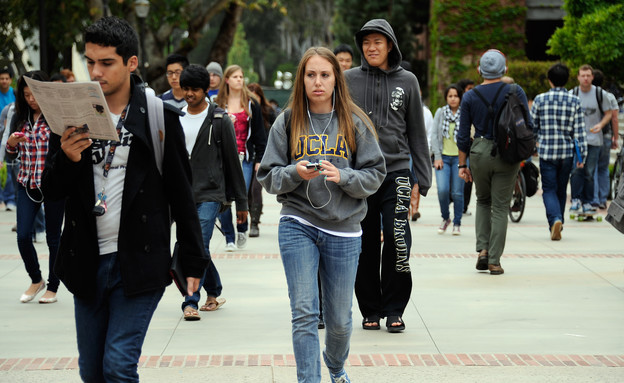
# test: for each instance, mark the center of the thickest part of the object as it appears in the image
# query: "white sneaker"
(230, 247)
(445, 224)
(241, 240)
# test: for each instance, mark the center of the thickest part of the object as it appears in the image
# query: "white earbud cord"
(324, 152)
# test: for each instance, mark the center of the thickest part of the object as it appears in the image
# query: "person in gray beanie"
(494, 178)
(216, 75)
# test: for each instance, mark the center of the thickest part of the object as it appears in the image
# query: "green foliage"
(461, 30)
(239, 55)
(595, 38)
(407, 17)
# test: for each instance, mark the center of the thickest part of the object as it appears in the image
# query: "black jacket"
(149, 203)
(214, 162)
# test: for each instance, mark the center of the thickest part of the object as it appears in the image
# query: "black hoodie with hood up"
(391, 98)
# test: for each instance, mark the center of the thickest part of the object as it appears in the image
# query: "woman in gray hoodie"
(322, 160)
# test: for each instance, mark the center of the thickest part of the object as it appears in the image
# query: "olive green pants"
(494, 181)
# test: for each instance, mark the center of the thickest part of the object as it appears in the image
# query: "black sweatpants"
(384, 282)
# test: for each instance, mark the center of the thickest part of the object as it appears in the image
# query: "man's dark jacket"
(144, 247)
(216, 168)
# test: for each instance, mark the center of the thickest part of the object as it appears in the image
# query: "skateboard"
(585, 217)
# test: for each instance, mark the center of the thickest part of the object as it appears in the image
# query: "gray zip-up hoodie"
(392, 100)
(339, 206)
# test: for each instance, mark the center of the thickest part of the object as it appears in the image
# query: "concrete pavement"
(556, 315)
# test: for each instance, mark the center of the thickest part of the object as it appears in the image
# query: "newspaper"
(81, 104)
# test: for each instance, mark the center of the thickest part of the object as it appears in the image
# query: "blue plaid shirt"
(558, 120)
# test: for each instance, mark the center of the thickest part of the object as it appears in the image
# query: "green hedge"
(530, 75)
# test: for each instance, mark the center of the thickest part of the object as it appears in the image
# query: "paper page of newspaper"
(70, 104)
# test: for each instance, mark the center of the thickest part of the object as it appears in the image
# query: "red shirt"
(32, 153)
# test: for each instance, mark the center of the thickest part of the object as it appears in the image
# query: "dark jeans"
(207, 212)
(111, 326)
(555, 176)
(386, 292)
(9, 191)
(27, 210)
(582, 179)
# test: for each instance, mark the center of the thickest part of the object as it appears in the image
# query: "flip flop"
(367, 323)
(392, 319)
(212, 304)
(191, 314)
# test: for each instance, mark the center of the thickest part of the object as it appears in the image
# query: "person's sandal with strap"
(395, 328)
(371, 322)
(191, 314)
(212, 304)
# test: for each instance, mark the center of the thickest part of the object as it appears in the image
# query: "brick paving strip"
(7, 257)
(357, 360)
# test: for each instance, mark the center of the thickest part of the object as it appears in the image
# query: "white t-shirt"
(108, 224)
(191, 123)
(428, 117)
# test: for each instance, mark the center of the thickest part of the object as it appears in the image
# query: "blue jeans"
(601, 176)
(226, 217)
(27, 210)
(207, 212)
(111, 327)
(582, 179)
(307, 252)
(555, 176)
(10, 187)
(448, 182)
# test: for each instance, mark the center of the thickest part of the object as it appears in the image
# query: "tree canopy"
(592, 33)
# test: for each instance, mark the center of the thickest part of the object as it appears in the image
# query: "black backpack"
(531, 178)
(512, 135)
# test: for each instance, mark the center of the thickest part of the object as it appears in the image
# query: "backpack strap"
(287, 113)
(156, 117)
(490, 107)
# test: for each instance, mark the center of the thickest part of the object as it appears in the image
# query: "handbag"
(176, 272)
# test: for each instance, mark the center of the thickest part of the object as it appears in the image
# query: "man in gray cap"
(494, 178)
(216, 75)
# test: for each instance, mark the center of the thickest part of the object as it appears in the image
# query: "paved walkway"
(556, 315)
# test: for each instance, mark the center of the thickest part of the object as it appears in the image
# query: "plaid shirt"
(32, 153)
(558, 120)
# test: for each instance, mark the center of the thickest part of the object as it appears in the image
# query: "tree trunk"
(225, 37)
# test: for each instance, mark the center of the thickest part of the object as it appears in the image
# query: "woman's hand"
(74, 144)
(438, 164)
(15, 138)
(325, 168)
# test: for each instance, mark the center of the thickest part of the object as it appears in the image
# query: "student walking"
(559, 125)
(390, 95)
(115, 253)
(29, 140)
(322, 161)
(493, 177)
(446, 159)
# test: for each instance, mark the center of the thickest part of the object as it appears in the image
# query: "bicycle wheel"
(616, 176)
(518, 199)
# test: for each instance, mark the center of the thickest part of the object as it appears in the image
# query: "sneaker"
(467, 213)
(456, 230)
(230, 247)
(575, 206)
(10, 207)
(588, 208)
(555, 231)
(444, 225)
(241, 240)
(602, 206)
(341, 377)
(254, 231)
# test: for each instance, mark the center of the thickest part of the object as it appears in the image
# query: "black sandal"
(368, 321)
(392, 319)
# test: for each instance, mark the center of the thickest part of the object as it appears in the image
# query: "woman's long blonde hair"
(344, 107)
(224, 90)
